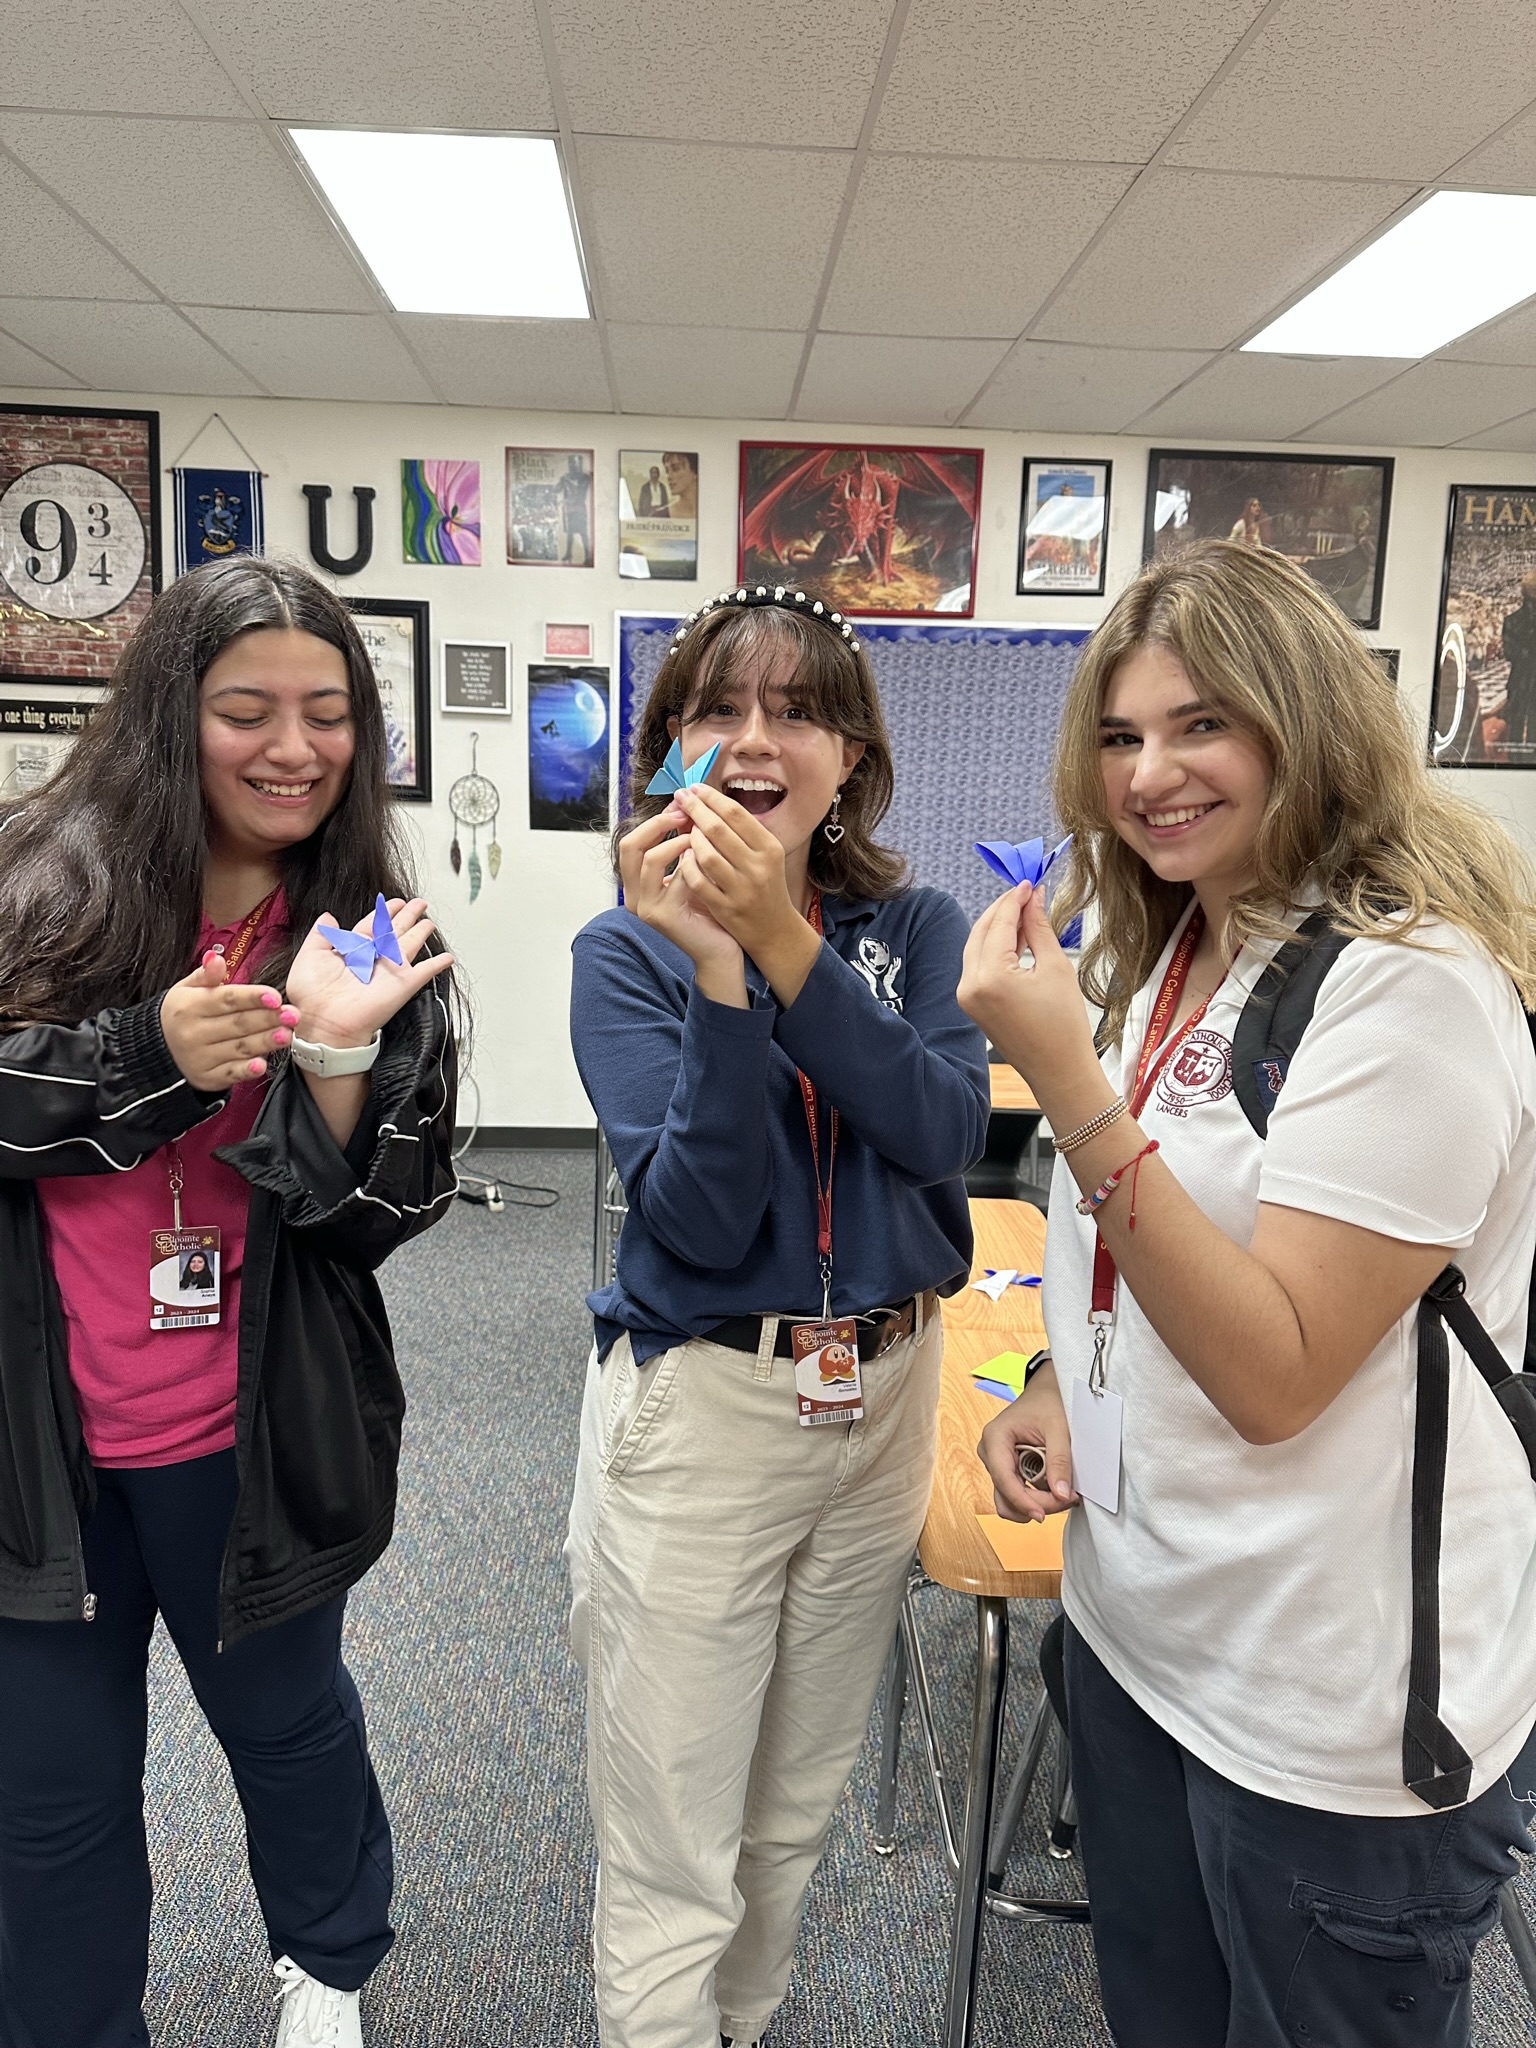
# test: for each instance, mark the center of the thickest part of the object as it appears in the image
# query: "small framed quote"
(477, 677)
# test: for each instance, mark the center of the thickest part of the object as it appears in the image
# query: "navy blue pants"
(1222, 1919)
(74, 1876)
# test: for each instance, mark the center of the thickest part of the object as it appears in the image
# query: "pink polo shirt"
(155, 1397)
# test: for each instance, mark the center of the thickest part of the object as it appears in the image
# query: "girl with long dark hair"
(188, 1065)
(769, 1034)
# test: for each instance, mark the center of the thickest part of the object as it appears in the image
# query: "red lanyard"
(241, 944)
(823, 1194)
(1148, 1067)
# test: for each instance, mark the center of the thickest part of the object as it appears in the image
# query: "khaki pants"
(736, 1580)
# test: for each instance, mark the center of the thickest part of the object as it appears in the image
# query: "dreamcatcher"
(475, 801)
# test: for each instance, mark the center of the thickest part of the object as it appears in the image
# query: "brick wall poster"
(79, 538)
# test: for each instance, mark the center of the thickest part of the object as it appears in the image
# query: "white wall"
(514, 942)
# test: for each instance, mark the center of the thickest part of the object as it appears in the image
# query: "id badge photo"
(184, 1278)
(828, 1386)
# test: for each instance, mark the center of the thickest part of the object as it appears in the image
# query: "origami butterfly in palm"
(1027, 863)
(672, 775)
(361, 950)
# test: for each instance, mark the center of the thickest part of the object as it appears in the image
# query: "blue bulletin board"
(972, 712)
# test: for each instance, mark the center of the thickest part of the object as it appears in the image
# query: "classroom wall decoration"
(888, 531)
(474, 800)
(549, 506)
(941, 686)
(440, 513)
(567, 642)
(218, 513)
(658, 515)
(567, 748)
(477, 676)
(79, 538)
(318, 496)
(1326, 513)
(1063, 525)
(396, 633)
(1483, 713)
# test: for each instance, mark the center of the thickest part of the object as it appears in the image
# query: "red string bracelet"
(1088, 1203)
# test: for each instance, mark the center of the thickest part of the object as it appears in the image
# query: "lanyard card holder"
(184, 1278)
(828, 1386)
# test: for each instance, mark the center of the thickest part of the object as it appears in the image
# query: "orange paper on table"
(1025, 1546)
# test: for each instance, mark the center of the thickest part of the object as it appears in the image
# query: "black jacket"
(319, 1405)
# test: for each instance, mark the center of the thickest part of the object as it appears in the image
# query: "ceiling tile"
(1093, 81)
(1429, 406)
(675, 68)
(19, 366)
(705, 372)
(939, 246)
(318, 355)
(1509, 339)
(207, 210)
(1051, 387)
(1193, 260)
(119, 56)
(882, 380)
(389, 63)
(43, 248)
(1507, 165)
(549, 365)
(1515, 437)
(123, 348)
(1376, 89)
(1263, 397)
(700, 236)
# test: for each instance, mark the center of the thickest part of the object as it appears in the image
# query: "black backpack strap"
(1278, 1012)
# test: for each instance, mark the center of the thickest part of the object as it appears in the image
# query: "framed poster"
(440, 512)
(549, 506)
(658, 515)
(477, 676)
(567, 748)
(882, 531)
(1063, 528)
(395, 631)
(1483, 711)
(1326, 513)
(79, 538)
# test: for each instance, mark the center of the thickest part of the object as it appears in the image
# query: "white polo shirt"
(1254, 1599)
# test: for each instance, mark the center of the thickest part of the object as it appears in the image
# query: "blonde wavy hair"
(1354, 814)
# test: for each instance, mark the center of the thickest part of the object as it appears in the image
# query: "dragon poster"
(888, 531)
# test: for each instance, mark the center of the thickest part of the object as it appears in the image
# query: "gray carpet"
(457, 1643)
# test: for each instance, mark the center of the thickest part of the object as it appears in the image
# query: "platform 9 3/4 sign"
(72, 544)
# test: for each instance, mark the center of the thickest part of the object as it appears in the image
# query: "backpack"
(1436, 1768)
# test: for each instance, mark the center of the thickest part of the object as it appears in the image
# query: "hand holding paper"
(1027, 863)
(672, 776)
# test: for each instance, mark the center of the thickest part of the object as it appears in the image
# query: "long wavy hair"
(101, 870)
(836, 687)
(1355, 820)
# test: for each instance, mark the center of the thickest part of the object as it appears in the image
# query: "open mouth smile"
(1170, 822)
(281, 792)
(755, 793)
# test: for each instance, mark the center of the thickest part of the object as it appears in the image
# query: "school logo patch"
(880, 967)
(1200, 1071)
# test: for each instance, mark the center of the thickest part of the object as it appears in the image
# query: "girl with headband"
(769, 1035)
(1281, 1844)
(188, 1064)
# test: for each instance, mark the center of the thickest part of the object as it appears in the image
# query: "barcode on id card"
(833, 1415)
(180, 1322)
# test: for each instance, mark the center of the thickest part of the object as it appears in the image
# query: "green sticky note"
(1008, 1366)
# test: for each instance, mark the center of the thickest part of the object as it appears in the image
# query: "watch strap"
(329, 1060)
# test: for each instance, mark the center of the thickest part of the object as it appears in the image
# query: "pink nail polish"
(210, 956)
(290, 1014)
(281, 1037)
(257, 1067)
(272, 1000)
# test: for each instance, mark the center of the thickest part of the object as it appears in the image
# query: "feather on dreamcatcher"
(475, 801)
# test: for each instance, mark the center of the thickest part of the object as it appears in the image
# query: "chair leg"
(884, 1842)
(1012, 1809)
(1063, 1835)
(981, 1784)
(1517, 1932)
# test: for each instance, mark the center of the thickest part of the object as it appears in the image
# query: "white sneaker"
(313, 2015)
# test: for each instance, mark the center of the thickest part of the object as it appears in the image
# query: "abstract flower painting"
(440, 508)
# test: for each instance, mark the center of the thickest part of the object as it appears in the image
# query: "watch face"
(72, 544)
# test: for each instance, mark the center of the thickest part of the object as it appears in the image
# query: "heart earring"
(832, 830)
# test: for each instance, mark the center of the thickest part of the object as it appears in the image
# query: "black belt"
(877, 1332)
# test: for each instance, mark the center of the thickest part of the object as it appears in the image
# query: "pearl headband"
(785, 599)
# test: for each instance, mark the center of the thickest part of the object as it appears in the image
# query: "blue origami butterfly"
(360, 952)
(672, 775)
(1027, 863)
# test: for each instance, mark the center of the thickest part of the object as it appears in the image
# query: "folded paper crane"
(1027, 863)
(996, 1281)
(672, 775)
(361, 951)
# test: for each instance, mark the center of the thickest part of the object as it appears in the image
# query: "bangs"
(824, 680)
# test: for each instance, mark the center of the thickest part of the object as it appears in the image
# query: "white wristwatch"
(328, 1060)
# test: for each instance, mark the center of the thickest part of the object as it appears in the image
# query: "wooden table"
(1007, 1234)
(1010, 1090)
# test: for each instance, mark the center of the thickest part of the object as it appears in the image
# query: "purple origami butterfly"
(361, 951)
(672, 775)
(1027, 863)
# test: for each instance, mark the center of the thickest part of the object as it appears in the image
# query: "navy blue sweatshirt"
(704, 1116)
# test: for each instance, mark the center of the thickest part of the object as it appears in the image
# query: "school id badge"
(827, 1382)
(184, 1278)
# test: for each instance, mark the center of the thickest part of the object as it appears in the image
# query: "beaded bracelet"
(1092, 1128)
(1101, 1194)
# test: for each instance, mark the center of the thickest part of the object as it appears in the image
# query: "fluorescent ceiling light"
(455, 223)
(1453, 263)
